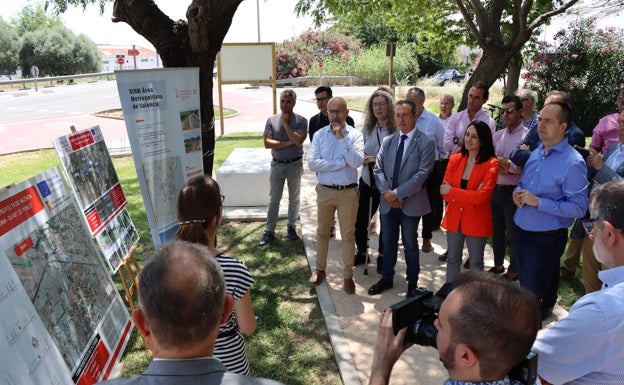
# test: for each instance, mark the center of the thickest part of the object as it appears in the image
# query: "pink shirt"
(605, 133)
(504, 143)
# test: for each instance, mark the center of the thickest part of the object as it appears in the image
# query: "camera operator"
(486, 326)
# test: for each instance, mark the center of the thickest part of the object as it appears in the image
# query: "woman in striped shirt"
(200, 207)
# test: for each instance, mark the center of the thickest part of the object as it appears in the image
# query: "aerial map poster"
(62, 318)
(92, 176)
(161, 111)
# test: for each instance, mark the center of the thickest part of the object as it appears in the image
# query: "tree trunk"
(513, 75)
(192, 43)
(492, 64)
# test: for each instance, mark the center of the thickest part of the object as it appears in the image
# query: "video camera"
(419, 313)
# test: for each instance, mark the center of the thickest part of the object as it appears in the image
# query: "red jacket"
(470, 207)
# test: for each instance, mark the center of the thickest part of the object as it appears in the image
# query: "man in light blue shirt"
(336, 152)
(552, 192)
(587, 347)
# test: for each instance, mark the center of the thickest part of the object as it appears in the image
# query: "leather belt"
(286, 161)
(337, 187)
(506, 186)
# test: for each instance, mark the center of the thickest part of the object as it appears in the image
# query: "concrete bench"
(244, 177)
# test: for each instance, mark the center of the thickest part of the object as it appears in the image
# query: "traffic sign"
(34, 71)
(121, 59)
(133, 52)
(325, 51)
(320, 64)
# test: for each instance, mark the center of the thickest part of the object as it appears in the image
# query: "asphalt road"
(32, 119)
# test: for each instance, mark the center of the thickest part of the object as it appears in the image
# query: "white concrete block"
(244, 177)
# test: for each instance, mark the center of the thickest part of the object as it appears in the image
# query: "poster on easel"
(161, 109)
(94, 181)
(63, 320)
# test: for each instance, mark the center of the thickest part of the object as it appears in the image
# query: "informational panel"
(162, 115)
(93, 179)
(245, 63)
(63, 321)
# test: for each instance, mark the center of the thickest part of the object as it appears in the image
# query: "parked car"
(448, 75)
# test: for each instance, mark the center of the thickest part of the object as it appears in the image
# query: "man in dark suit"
(182, 301)
(403, 165)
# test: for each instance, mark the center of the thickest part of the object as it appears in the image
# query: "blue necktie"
(397, 163)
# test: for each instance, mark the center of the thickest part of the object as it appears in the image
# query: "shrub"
(586, 62)
(295, 58)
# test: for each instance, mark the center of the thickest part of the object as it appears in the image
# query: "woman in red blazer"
(468, 183)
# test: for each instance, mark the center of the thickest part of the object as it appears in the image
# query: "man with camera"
(485, 327)
(587, 347)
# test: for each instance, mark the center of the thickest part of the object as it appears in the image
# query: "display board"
(162, 116)
(246, 63)
(62, 319)
(93, 179)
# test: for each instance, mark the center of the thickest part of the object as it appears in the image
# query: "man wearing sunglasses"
(587, 347)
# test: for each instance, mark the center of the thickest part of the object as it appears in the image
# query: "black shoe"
(292, 233)
(443, 257)
(379, 286)
(497, 269)
(266, 238)
(379, 264)
(412, 290)
(359, 259)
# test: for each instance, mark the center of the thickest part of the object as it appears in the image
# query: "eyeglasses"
(321, 99)
(379, 105)
(508, 110)
(588, 225)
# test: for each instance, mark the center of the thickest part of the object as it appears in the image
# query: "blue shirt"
(559, 180)
(503, 381)
(430, 125)
(587, 347)
(334, 160)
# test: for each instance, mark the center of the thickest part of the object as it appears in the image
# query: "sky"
(277, 21)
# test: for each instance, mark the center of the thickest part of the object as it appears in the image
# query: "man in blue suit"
(403, 165)
(182, 301)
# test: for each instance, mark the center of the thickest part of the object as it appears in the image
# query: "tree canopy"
(499, 27)
(9, 46)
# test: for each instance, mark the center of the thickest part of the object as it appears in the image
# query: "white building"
(109, 54)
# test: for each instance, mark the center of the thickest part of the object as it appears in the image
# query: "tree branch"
(470, 24)
(541, 19)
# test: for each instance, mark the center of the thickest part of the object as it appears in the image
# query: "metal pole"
(258, 16)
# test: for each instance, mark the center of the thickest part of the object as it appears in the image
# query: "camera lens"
(425, 332)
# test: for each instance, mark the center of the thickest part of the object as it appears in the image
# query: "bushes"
(586, 62)
(295, 58)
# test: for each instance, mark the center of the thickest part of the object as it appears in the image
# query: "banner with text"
(63, 319)
(92, 176)
(161, 111)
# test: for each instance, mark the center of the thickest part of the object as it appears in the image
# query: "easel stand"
(128, 272)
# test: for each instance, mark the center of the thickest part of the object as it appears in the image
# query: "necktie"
(397, 163)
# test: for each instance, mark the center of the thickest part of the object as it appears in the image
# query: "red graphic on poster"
(18, 208)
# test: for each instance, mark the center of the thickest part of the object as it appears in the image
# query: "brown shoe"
(317, 277)
(349, 286)
(565, 273)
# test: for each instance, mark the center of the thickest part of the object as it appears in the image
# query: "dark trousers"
(363, 218)
(538, 255)
(393, 223)
(503, 210)
(432, 220)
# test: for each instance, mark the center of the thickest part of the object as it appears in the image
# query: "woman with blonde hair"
(378, 123)
(200, 208)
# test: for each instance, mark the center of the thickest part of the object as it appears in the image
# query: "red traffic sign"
(320, 64)
(121, 60)
(133, 52)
